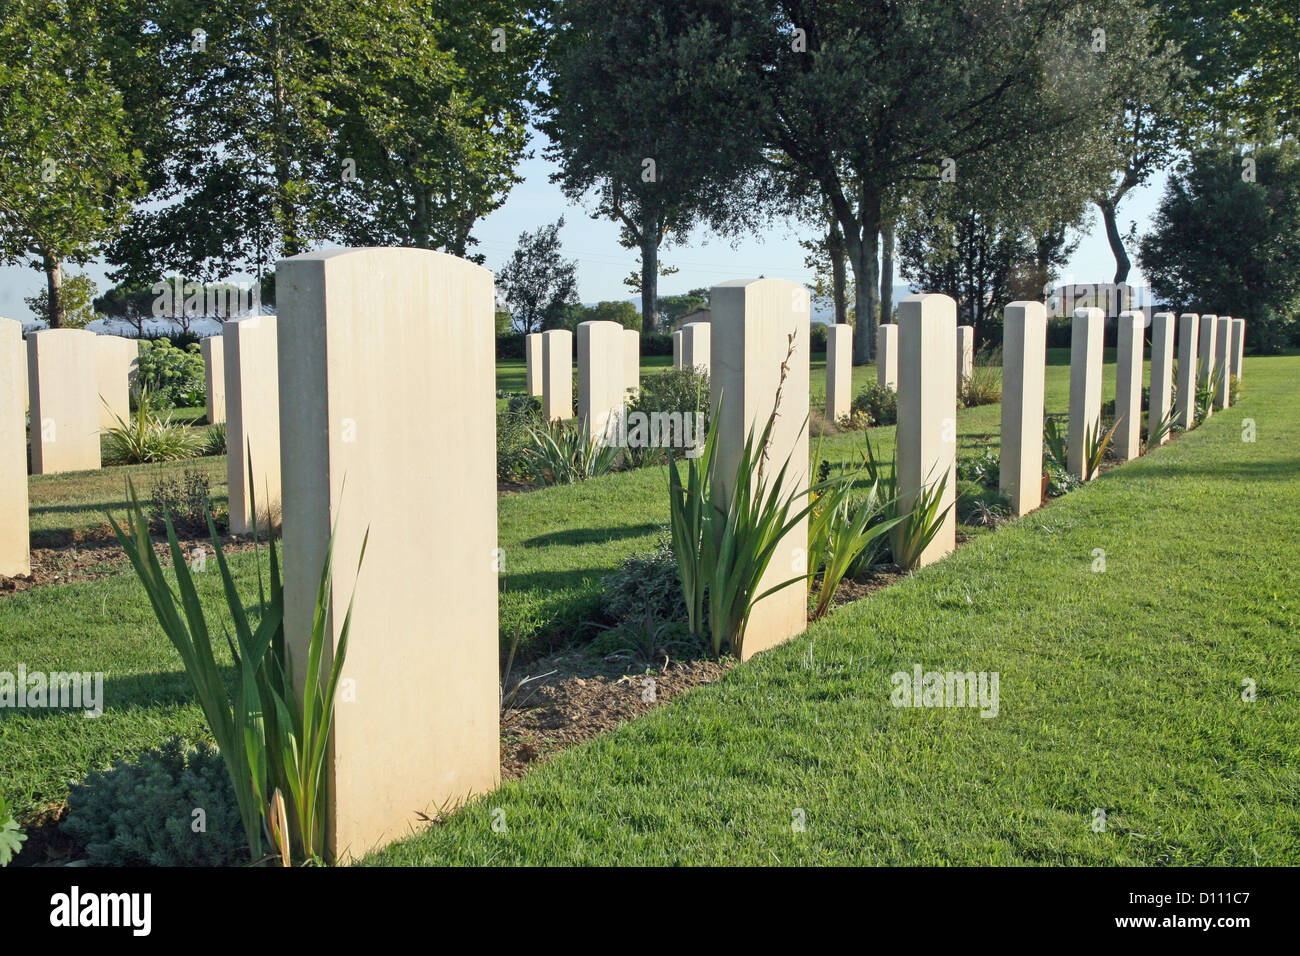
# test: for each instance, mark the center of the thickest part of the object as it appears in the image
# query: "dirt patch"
(47, 844)
(583, 699)
(98, 558)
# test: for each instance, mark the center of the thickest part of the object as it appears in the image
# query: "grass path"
(1119, 690)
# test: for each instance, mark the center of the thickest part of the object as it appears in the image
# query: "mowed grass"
(1120, 690)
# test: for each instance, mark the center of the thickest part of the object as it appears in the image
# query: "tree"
(77, 294)
(537, 283)
(672, 308)
(863, 100)
(1225, 239)
(633, 122)
(827, 258)
(69, 174)
(132, 304)
(624, 313)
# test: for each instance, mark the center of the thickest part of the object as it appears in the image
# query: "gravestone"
(1087, 328)
(1209, 349)
(695, 346)
(1223, 361)
(1024, 370)
(63, 378)
(677, 349)
(602, 381)
(927, 409)
(1128, 384)
(214, 378)
(387, 361)
(759, 325)
(887, 356)
(1238, 346)
(632, 360)
(1162, 375)
(15, 533)
(533, 358)
(250, 357)
(839, 371)
(557, 374)
(117, 360)
(1185, 388)
(965, 354)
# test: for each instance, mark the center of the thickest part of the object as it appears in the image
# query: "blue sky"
(703, 260)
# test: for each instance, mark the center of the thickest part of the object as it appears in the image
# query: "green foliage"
(214, 439)
(684, 390)
(273, 743)
(624, 313)
(148, 437)
(1095, 445)
(916, 525)
(646, 586)
(539, 285)
(983, 386)
(560, 454)
(186, 498)
(11, 834)
(723, 548)
(980, 504)
(1055, 448)
(984, 468)
(879, 403)
(844, 533)
(1059, 479)
(515, 425)
(1232, 221)
(173, 375)
(171, 806)
(76, 297)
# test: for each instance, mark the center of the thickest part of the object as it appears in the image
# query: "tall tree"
(537, 282)
(69, 173)
(633, 122)
(864, 99)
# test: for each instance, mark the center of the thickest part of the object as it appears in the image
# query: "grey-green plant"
(148, 437)
(919, 523)
(853, 528)
(1095, 445)
(561, 454)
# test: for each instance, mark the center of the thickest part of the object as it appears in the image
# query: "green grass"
(1119, 690)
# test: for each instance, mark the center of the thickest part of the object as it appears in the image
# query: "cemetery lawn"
(1120, 691)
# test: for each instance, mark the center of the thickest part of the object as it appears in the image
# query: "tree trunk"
(421, 231)
(839, 277)
(55, 313)
(887, 272)
(649, 277)
(1122, 264)
(863, 239)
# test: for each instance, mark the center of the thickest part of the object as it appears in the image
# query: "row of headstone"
(609, 371)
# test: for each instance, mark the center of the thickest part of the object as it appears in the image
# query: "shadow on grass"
(579, 536)
(1271, 471)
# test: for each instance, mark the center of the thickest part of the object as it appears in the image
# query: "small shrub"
(1059, 480)
(560, 454)
(143, 812)
(148, 437)
(646, 586)
(980, 505)
(11, 834)
(854, 422)
(214, 439)
(514, 436)
(982, 387)
(684, 390)
(984, 468)
(187, 498)
(879, 403)
(174, 375)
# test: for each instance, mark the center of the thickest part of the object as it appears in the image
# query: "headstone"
(533, 358)
(116, 357)
(632, 360)
(1162, 374)
(252, 420)
(1238, 346)
(1209, 348)
(927, 409)
(602, 383)
(1130, 341)
(677, 349)
(759, 325)
(214, 378)
(1223, 361)
(420, 732)
(695, 346)
(965, 354)
(63, 377)
(1087, 328)
(557, 374)
(1024, 371)
(15, 533)
(887, 356)
(839, 371)
(1185, 388)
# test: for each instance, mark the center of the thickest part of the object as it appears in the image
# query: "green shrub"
(984, 468)
(879, 402)
(514, 436)
(560, 454)
(684, 390)
(145, 812)
(148, 437)
(980, 504)
(1059, 480)
(187, 498)
(983, 386)
(11, 834)
(646, 586)
(214, 439)
(173, 375)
